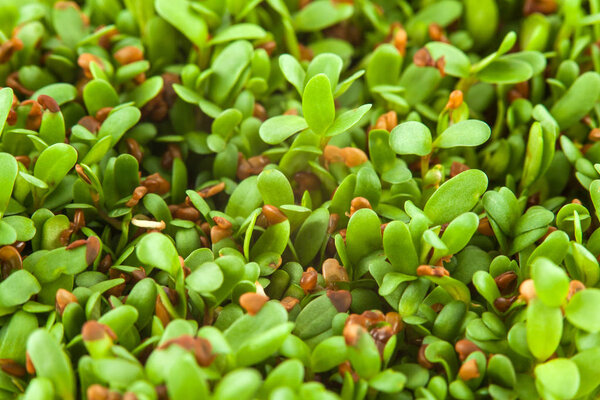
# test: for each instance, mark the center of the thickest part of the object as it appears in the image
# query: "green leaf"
(277, 129)
(317, 104)
(51, 362)
(551, 282)
(399, 247)
(156, 250)
(6, 99)
(24, 227)
(206, 278)
(179, 14)
(239, 31)
(388, 381)
(582, 310)
(411, 138)
(61, 92)
(228, 68)
(577, 101)
(347, 120)
(328, 354)
(54, 163)
(119, 122)
(506, 71)
(456, 196)
(17, 288)
(319, 15)
(560, 377)
(363, 235)
(465, 133)
(275, 188)
(240, 384)
(587, 362)
(293, 71)
(544, 328)
(8, 175)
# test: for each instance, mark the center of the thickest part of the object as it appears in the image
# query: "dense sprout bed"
(296, 199)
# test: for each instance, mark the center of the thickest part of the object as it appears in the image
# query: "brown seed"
(504, 303)
(484, 227)
(422, 58)
(82, 174)
(341, 299)
(289, 303)
(138, 193)
(84, 61)
(94, 330)
(253, 302)
(187, 213)
(469, 370)
(203, 352)
(93, 249)
(381, 335)
(306, 53)
(48, 103)
(428, 270)
(353, 156)
(90, 123)
(34, 117)
(506, 282)
(156, 184)
(130, 396)
(352, 333)
(539, 6)
(105, 263)
(574, 287)
(333, 154)
(25, 160)
(269, 47)
(173, 152)
(222, 222)
(359, 202)
(464, 347)
(436, 33)
(12, 81)
(134, 149)
(291, 111)
(393, 318)
(77, 243)
(97, 392)
(12, 368)
(594, 135)
(259, 112)
(161, 312)
(422, 360)
(455, 100)
(217, 234)
(212, 190)
(103, 113)
(63, 299)
(456, 168)
(128, 54)
(29, 364)
(400, 40)
(79, 219)
(334, 272)
(307, 181)
(440, 64)
(333, 221)
(527, 290)
(20, 246)
(308, 281)
(10, 260)
(273, 214)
